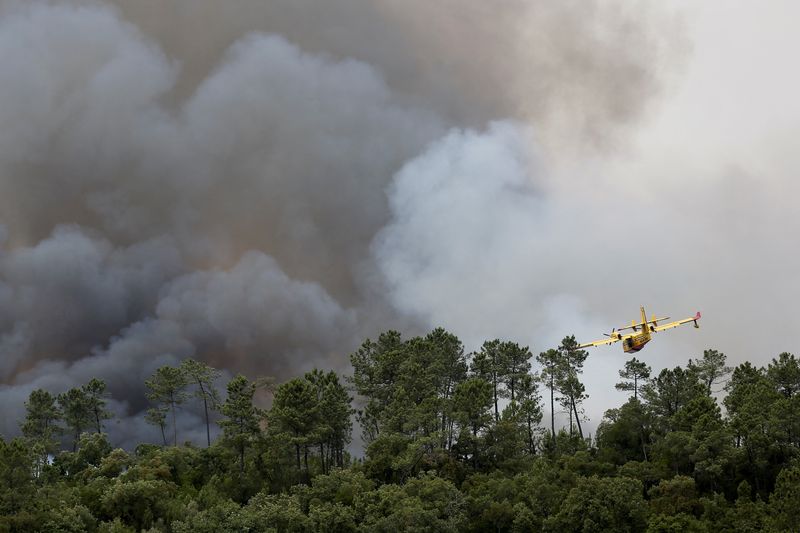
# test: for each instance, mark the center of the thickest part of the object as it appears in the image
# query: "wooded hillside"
(453, 442)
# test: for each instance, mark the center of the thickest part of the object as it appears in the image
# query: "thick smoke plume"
(262, 184)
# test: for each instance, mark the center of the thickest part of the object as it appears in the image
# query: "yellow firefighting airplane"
(642, 332)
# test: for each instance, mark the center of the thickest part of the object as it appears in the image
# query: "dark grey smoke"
(207, 179)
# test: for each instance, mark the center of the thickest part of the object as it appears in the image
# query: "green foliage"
(670, 390)
(295, 412)
(277, 512)
(425, 503)
(203, 377)
(491, 365)
(625, 434)
(408, 385)
(601, 504)
(784, 373)
(711, 369)
(95, 393)
(447, 449)
(550, 362)
(340, 487)
(784, 505)
(41, 417)
(472, 401)
(675, 496)
(17, 463)
(114, 526)
(491, 502)
(746, 516)
(634, 374)
(224, 517)
(76, 412)
(680, 523)
(166, 388)
(157, 416)
(241, 426)
(141, 503)
(568, 370)
(334, 424)
(92, 449)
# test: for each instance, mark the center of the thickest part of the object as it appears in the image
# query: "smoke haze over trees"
(261, 185)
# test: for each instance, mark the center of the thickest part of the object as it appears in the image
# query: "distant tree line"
(453, 442)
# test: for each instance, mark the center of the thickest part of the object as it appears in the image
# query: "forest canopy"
(453, 441)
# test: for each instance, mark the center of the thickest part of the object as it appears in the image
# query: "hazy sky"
(262, 185)
(718, 154)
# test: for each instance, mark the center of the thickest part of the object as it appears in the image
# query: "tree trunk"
(450, 436)
(569, 410)
(322, 457)
(174, 424)
(644, 449)
(531, 447)
(475, 447)
(552, 411)
(496, 412)
(163, 434)
(241, 458)
(577, 418)
(444, 413)
(205, 406)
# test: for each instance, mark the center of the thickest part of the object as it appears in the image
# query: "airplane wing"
(680, 323)
(610, 340)
(638, 325)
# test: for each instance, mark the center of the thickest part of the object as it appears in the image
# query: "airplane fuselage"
(634, 343)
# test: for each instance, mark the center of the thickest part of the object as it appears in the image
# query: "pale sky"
(732, 109)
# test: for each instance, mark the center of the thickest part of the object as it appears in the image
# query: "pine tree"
(671, 390)
(41, 420)
(449, 365)
(551, 363)
(76, 411)
(166, 386)
(241, 427)
(571, 365)
(95, 392)
(157, 416)
(711, 369)
(635, 372)
(491, 365)
(334, 423)
(203, 377)
(376, 369)
(472, 401)
(784, 372)
(529, 408)
(295, 411)
(518, 365)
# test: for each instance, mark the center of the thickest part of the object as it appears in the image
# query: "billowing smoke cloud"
(262, 184)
